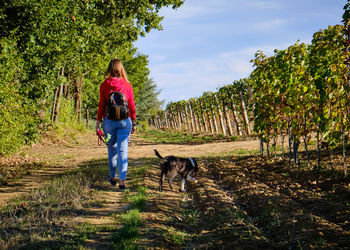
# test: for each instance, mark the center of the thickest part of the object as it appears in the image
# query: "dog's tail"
(157, 154)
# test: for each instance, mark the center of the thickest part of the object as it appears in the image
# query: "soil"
(239, 202)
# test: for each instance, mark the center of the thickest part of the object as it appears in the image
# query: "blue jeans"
(117, 145)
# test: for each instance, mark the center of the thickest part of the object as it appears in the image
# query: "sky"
(206, 44)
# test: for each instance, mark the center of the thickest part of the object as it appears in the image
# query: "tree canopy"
(53, 46)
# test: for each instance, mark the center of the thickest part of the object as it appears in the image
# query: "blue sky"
(206, 44)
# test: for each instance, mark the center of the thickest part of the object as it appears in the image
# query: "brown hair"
(115, 69)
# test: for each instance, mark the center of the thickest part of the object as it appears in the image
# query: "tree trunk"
(87, 118)
(58, 103)
(77, 97)
(53, 110)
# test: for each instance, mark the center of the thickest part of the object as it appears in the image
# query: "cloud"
(188, 78)
(199, 8)
(271, 24)
(206, 43)
(265, 5)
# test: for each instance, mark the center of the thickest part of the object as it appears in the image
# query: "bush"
(12, 112)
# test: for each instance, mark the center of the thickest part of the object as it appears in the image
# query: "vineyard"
(301, 93)
(271, 148)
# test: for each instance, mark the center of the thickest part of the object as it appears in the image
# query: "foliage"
(68, 43)
(18, 120)
(296, 91)
(148, 103)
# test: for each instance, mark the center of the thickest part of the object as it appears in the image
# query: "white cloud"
(186, 79)
(206, 44)
(198, 8)
(185, 12)
(265, 5)
(271, 24)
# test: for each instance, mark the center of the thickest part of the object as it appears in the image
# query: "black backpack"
(117, 106)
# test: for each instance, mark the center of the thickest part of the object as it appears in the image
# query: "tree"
(68, 44)
(148, 104)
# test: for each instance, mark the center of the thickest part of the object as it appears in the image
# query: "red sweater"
(113, 84)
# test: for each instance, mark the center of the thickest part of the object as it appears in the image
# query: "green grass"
(126, 237)
(178, 137)
(139, 201)
(176, 236)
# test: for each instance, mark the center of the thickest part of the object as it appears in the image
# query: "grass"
(126, 237)
(34, 220)
(41, 219)
(176, 236)
(179, 137)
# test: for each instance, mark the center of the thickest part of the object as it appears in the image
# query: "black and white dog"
(172, 165)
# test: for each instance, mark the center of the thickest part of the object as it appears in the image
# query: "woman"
(118, 131)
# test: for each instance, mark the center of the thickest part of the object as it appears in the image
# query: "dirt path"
(241, 202)
(62, 157)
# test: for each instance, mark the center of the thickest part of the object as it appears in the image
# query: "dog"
(172, 165)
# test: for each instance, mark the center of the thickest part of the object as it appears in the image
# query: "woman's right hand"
(97, 126)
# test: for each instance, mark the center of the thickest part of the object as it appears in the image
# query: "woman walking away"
(117, 110)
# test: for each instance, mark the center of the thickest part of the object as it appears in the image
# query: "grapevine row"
(300, 92)
(224, 112)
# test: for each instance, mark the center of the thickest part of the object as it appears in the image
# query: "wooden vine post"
(220, 115)
(178, 115)
(166, 119)
(244, 113)
(213, 116)
(205, 121)
(197, 116)
(187, 118)
(191, 117)
(227, 118)
(235, 117)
